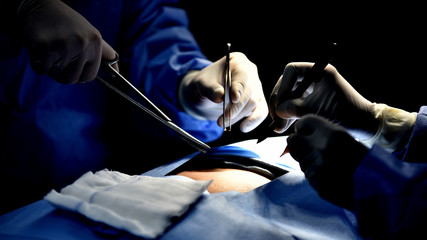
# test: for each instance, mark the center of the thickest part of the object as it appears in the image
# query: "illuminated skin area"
(225, 179)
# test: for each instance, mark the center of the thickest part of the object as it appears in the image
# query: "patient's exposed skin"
(226, 179)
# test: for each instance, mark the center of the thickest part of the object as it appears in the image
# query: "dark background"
(382, 47)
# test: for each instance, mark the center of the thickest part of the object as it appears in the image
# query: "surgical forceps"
(107, 66)
(227, 96)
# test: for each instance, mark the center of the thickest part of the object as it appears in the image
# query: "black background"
(382, 50)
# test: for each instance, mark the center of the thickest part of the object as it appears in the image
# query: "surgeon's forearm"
(388, 195)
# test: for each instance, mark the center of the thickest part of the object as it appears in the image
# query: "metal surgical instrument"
(113, 82)
(227, 96)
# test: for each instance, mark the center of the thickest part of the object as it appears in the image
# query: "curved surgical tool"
(107, 66)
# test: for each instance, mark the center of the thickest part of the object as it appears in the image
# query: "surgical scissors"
(107, 66)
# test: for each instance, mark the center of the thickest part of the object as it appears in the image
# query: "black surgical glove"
(328, 156)
(61, 43)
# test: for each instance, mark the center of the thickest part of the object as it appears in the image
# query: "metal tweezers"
(107, 66)
(227, 96)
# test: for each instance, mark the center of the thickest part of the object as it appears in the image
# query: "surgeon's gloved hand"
(331, 97)
(328, 156)
(61, 43)
(201, 93)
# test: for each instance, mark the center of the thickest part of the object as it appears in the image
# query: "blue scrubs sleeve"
(160, 55)
(390, 193)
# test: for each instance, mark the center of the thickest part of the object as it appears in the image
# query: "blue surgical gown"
(391, 191)
(52, 133)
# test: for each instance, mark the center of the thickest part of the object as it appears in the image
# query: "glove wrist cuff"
(395, 125)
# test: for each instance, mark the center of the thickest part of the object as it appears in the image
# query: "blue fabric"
(52, 133)
(217, 152)
(391, 193)
(286, 208)
(231, 151)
